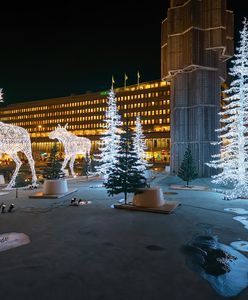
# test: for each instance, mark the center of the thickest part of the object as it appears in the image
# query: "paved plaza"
(97, 252)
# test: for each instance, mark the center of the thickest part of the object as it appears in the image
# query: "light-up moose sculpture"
(73, 145)
(14, 139)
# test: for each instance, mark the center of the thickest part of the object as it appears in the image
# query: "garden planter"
(55, 186)
(149, 197)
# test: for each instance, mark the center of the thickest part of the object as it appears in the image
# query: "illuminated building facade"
(85, 113)
(196, 42)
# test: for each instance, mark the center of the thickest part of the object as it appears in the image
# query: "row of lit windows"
(90, 110)
(94, 118)
(142, 96)
(89, 102)
(157, 143)
(150, 143)
(148, 113)
(98, 125)
(77, 130)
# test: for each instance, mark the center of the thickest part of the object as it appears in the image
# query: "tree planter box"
(149, 197)
(55, 186)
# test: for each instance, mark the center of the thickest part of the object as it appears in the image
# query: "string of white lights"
(73, 145)
(140, 145)
(233, 157)
(109, 143)
(14, 139)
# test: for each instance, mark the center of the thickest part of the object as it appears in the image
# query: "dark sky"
(51, 52)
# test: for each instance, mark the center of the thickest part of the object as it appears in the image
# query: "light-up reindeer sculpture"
(73, 145)
(14, 139)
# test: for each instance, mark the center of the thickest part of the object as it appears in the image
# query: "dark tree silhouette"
(187, 170)
(53, 168)
(85, 171)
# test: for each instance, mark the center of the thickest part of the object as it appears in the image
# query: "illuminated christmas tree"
(1, 95)
(109, 143)
(139, 145)
(125, 175)
(232, 161)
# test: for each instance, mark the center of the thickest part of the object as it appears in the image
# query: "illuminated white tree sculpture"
(233, 134)
(109, 143)
(73, 145)
(1, 95)
(14, 139)
(140, 146)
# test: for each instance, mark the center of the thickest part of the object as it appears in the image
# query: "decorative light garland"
(109, 143)
(14, 139)
(1, 95)
(73, 145)
(232, 160)
(140, 146)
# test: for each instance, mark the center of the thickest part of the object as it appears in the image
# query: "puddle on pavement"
(237, 210)
(225, 268)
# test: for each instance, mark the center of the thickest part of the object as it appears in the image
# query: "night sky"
(51, 52)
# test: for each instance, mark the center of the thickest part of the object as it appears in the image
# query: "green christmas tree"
(125, 176)
(85, 171)
(22, 179)
(53, 168)
(187, 170)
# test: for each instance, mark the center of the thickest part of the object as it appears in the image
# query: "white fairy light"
(140, 146)
(1, 95)
(233, 157)
(73, 145)
(109, 143)
(14, 139)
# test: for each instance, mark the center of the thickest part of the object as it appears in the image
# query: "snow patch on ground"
(237, 210)
(240, 245)
(243, 220)
(13, 240)
(189, 188)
